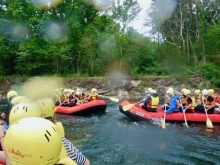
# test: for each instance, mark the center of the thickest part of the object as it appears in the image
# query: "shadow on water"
(112, 138)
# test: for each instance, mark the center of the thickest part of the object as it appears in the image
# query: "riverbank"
(122, 87)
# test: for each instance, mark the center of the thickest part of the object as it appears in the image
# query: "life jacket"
(199, 99)
(153, 103)
(81, 97)
(62, 98)
(192, 104)
(207, 103)
(216, 97)
(183, 99)
(93, 96)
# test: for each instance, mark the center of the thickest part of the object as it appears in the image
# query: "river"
(112, 138)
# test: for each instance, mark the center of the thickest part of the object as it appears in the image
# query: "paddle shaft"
(183, 113)
(164, 117)
(208, 121)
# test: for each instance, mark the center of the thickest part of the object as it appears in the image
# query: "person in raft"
(151, 101)
(208, 103)
(40, 135)
(68, 149)
(189, 103)
(10, 96)
(72, 98)
(214, 95)
(45, 108)
(174, 105)
(198, 96)
(93, 95)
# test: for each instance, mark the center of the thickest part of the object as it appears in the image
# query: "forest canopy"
(93, 38)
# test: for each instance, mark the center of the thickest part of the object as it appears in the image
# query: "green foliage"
(74, 39)
(211, 72)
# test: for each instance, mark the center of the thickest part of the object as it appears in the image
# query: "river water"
(112, 138)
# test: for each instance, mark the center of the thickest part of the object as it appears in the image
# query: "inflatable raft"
(83, 109)
(138, 114)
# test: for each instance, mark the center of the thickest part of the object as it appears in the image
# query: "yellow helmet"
(18, 99)
(204, 92)
(149, 89)
(197, 91)
(94, 90)
(153, 91)
(47, 106)
(186, 92)
(33, 140)
(24, 110)
(211, 91)
(182, 90)
(11, 93)
(170, 91)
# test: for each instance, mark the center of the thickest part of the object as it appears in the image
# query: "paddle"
(111, 98)
(208, 121)
(129, 106)
(164, 118)
(184, 114)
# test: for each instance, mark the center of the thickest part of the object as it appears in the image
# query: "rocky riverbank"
(122, 87)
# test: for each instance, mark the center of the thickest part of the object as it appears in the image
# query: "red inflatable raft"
(83, 109)
(137, 113)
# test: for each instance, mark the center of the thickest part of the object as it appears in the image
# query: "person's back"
(174, 106)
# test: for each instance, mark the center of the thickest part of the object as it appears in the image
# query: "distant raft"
(136, 113)
(91, 107)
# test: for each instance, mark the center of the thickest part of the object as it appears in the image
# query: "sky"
(138, 23)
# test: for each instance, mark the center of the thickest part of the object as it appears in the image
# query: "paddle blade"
(127, 107)
(163, 124)
(113, 99)
(209, 123)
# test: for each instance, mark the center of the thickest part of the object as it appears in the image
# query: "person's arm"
(74, 153)
(3, 156)
(146, 101)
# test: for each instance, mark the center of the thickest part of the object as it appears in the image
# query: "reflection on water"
(113, 139)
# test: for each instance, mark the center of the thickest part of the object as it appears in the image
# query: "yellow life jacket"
(154, 102)
(67, 161)
(64, 158)
(93, 96)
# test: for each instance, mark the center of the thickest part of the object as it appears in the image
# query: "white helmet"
(204, 92)
(94, 90)
(170, 91)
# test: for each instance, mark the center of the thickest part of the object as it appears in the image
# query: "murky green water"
(113, 139)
